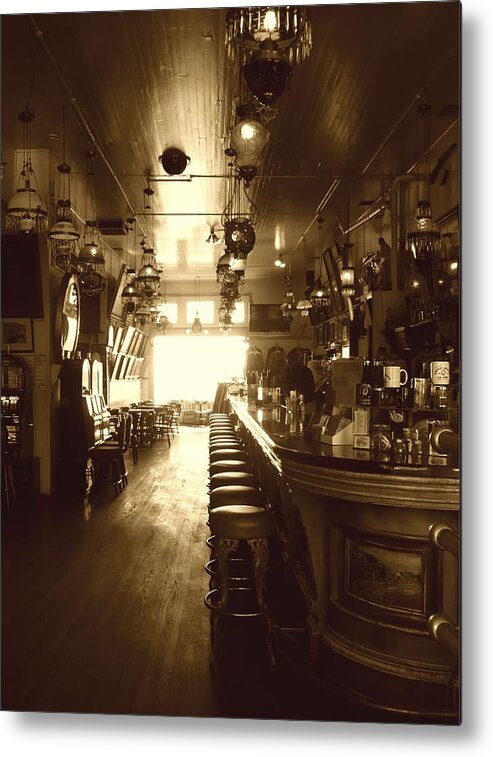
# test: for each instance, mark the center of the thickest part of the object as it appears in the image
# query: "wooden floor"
(103, 605)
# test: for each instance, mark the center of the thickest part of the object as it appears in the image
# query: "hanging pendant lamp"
(63, 238)
(25, 210)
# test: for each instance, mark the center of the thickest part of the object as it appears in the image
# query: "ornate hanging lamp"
(270, 40)
(25, 210)
(319, 296)
(148, 277)
(248, 140)
(196, 328)
(424, 239)
(63, 237)
(91, 262)
(288, 305)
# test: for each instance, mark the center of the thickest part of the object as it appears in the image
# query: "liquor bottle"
(378, 393)
(260, 389)
(366, 388)
(417, 448)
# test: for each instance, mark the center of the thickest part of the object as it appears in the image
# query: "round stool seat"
(222, 466)
(235, 495)
(232, 478)
(225, 440)
(222, 429)
(220, 435)
(215, 421)
(241, 522)
(228, 454)
(225, 444)
(219, 415)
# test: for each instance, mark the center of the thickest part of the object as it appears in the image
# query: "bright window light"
(205, 309)
(238, 314)
(190, 369)
(170, 310)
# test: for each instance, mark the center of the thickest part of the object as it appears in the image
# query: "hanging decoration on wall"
(25, 210)
(63, 237)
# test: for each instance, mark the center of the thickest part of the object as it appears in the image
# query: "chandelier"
(424, 239)
(319, 296)
(130, 293)
(148, 276)
(90, 262)
(270, 40)
(196, 328)
(238, 220)
(63, 238)
(25, 210)
(288, 306)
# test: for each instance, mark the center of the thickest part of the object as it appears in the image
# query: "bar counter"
(367, 544)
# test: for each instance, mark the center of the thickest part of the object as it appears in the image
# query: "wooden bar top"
(350, 473)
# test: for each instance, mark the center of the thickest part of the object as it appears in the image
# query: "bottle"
(399, 450)
(417, 448)
(406, 432)
(378, 383)
(366, 388)
(260, 389)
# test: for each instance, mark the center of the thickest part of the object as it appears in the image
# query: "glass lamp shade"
(303, 305)
(347, 277)
(129, 292)
(425, 239)
(267, 73)
(223, 267)
(91, 257)
(248, 139)
(289, 26)
(238, 264)
(25, 211)
(91, 282)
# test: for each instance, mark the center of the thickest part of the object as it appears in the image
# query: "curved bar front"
(356, 536)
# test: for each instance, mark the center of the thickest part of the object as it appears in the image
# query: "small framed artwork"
(17, 334)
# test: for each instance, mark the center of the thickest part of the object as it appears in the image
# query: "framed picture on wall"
(17, 334)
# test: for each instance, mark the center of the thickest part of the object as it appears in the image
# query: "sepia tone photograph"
(231, 253)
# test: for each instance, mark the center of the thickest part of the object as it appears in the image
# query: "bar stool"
(224, 466)
(232, 478)
(232, 525)
(223, 438)
(228, 444)
(228, 454)
(235, 494)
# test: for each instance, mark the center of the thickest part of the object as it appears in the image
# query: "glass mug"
(392, 376)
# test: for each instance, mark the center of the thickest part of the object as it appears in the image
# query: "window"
(170, 310)
(238, 314)
(205, 309)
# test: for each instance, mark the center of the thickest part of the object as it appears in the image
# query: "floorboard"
(103, 606)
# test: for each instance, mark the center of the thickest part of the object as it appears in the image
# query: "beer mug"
(440, 372)
(393, 376)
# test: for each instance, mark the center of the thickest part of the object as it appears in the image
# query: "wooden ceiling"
(138, 82)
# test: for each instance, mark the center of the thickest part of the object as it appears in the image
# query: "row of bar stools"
(240, 524)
